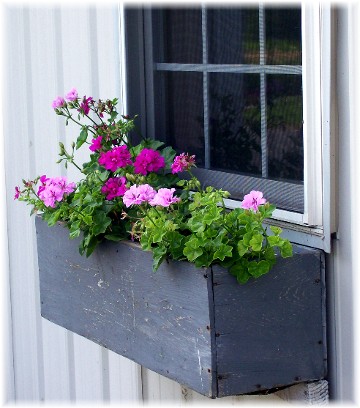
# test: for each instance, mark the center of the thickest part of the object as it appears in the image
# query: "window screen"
(226, 85)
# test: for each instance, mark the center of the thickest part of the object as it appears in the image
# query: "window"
(238, 87)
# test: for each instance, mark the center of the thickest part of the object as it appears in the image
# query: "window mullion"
(205, 87)
(262, 39)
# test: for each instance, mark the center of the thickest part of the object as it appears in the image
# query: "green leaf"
(192, 249)
(113, 116)
(223, 252)
(241, 273)
(286, 249)
(168, 154)
(152, 144)
(53, 217)
(82, 137)
(256, 242)
(247, 238)
(196, 224)
(242, 248)
(257, 269)
(212, 214)
(75, 229)
(274, 240)
(176, 246)
(158, 235)
(101, 222)
(159, 254)
(276, 230)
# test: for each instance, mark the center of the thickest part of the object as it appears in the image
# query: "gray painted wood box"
(198, 327)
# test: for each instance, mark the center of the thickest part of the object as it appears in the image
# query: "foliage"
(135, 192)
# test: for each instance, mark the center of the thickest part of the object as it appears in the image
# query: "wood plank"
(116, 300)
(270, 332)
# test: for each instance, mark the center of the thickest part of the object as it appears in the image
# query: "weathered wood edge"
(210, 282)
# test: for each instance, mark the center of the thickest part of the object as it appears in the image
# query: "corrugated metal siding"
(47, 51)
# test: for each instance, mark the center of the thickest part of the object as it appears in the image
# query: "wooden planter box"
(198, 327)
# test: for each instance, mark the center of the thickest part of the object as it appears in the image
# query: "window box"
(198, 327)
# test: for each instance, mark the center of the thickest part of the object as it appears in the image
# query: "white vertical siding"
(49, 50)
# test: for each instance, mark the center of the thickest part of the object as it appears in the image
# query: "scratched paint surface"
(275, 326)
(195, 326)
(160, 320)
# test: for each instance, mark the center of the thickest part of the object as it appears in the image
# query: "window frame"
(315, 226)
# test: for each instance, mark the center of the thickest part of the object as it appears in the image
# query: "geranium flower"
(17, 193)
(253, 200)
(116, 158)
(114, 187)
(182, 162)
(96, 144)
(137, 195)
(164, 197)
(84, 106)
(59, 102)
(148, 160)
(72, 95)
(53, 190)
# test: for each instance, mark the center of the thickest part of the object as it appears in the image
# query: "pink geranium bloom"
(164, 197)
(114, 187)
(147, 161)
(59, 102)
(72, 95)
(253, 200)
(96, 144)
(62, 183)
(52, 190)
(116, 158)
(51, 194)
(137, 195)
(43, 179)
(182, 162)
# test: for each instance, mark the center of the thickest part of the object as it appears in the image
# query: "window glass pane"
(180, 118)
(233, 36)
(285, 127)
(283, 36)
(178, 35)
(235, 123)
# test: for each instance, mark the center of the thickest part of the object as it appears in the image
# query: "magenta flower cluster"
(144, 193)
(85, 105)
(53, 190)
(148, 161)
(96, 144)
(253, 200)
(116, 158)
(182, 162)
(114, 187)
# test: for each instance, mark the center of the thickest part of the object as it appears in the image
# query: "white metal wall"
(47, 51)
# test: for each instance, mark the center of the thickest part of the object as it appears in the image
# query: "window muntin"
(249, 123)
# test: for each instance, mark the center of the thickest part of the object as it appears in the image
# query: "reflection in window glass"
(283, 36)
(235, 123)
(233, 36)
(244, 118)
(285, 127)
(182, 113)
(181, 38)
